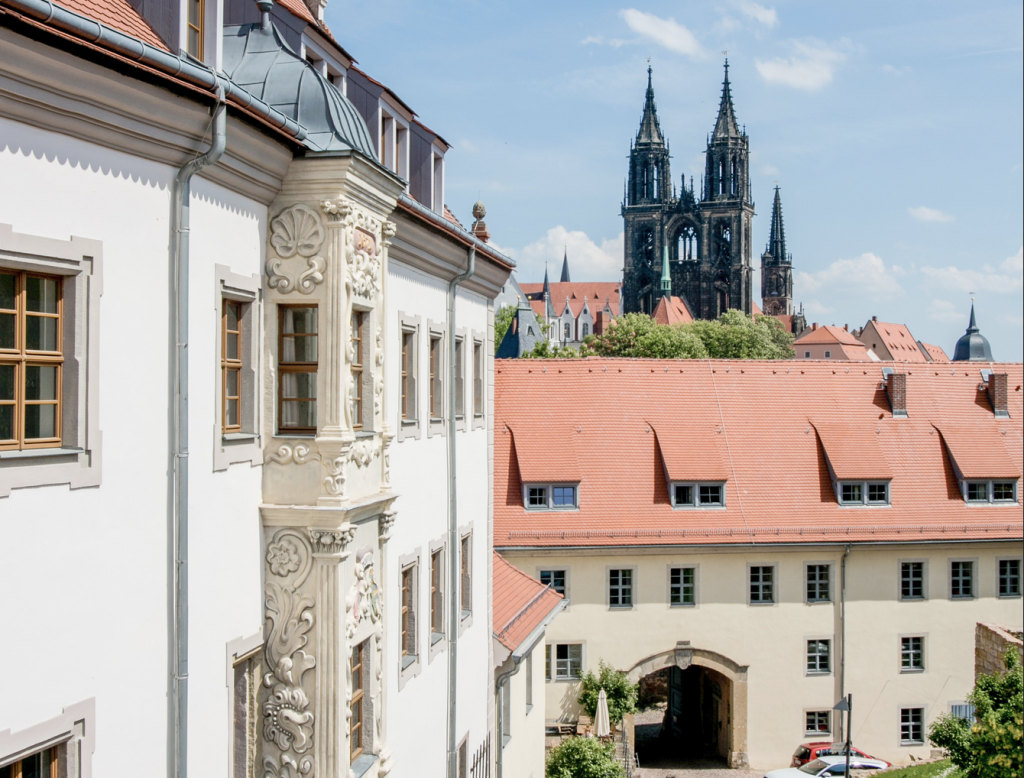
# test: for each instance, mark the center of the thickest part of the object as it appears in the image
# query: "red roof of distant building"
(672, 310)
(935, 352)
(755, 309)
(118, 14)
(828, 333)
(519, 603)
(596, 293)
(896, 338)
(625, 418)
(787, 322)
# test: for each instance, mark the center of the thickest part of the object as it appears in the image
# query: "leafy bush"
(583, 757)
(621, 693)
(990, 747)
(502, 321)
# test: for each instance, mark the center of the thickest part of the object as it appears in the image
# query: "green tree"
(502, 321)
(638, 335)
(991, 746)
(734, 335)
(543, 349)
(583, 757)
(621, 693)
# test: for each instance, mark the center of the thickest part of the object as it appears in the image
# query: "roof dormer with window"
(861, 476)
(983, 467)
(548, 471)
(694, 460)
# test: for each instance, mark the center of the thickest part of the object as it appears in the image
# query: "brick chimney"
(997, 394)
(896, 388)
(814, 326)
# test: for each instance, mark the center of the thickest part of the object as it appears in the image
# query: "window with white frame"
(911, 726)
(912, 580)
(818, 722)
(698, 495)
(818, 583)
(1009, 578)
(620, 588)
(436, 377)
(819, 657)
(436, 596)
(550, 497)
(961, 579)
(555, 579)
(911, 654)
(460, 378)
(563, 661)
(682, 586)
(762, 584)
(990, 492)
(478, 379)
(407, 615)
(438, 183)
(962, 710)
(863, 493)
(386, 148)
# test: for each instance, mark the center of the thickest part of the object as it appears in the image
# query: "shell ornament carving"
(297, 230)
(287, 720)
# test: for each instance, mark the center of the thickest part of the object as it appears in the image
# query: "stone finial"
(479, 227)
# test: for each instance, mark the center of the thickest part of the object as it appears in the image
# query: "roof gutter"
(468, 239)
(133, 49)
(181, 192)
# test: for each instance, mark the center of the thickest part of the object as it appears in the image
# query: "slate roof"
(614, 414)
(597, 293)
(519, 603)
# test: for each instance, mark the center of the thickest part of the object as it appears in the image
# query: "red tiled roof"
(935, 352)
(597, 293)
(542, 453)
(451, 216)
(852, 450)
(897, 340)
(779, 487)
(692, 448)
(828, 333)
(118, 14)
(787, 322)
(672, 310)
(519, 603)
(755, 309)
(978, 453)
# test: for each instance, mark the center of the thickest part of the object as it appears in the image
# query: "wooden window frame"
(228, 365)
(356, 335)
(435, 358)
(284, 368)
(50, 755)
(436, 595)
(357, 713)
(408, 611)
(21, 358)
(466, 575)
(408, 375)
(198, 54)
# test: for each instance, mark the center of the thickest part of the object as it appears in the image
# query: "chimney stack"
(874, 318)
(996, 386)
(896, 388)
(814, 327)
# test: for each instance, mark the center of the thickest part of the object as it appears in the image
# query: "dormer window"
(698, 495)
(863, 492)
(550, 497)
(990, 492)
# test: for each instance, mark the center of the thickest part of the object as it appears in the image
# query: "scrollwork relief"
(305, 282)
(334, 481)
(297, 230)
(299, 454)
(363, 452)
(364, 597)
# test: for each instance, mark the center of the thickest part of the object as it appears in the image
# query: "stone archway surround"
(683, 656)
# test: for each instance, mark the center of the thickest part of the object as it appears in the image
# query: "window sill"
(913, 599)
(911, 670)
(620, 607)
(505, 739)
(1009, 596)
(232, 436)
(303, 435)
(35, 453)
(819, 602)
(360, 767)
(682, 605)
(435, 638)
(758, 604)
(408, 661)
(466, 614)
(818, 674)
(911, 743)
(528, 709)
(962, 597)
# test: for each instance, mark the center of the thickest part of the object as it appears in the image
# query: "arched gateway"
(707, 700)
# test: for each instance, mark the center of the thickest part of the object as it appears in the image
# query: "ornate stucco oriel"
(326, 497)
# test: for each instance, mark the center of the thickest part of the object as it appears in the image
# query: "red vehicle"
(808, 752)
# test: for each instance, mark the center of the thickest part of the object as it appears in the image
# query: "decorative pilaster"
(385, 523)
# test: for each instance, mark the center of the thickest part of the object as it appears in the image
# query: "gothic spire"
(565, 267)
(777, 238)
(650, 128)
(726, 126)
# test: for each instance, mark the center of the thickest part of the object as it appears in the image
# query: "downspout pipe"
(455, 604)
(842, 633)
(179, 258)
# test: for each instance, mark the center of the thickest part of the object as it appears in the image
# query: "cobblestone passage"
(656, 763)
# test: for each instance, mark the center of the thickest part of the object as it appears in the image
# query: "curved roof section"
(972, 346)
(262, 63)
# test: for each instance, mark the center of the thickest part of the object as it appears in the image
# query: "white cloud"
(599, 40)
(665, 32)
(893, 70)
(758, 12)
(925, 214)
(941, 310)
(588, 261)
(1007, 279)
(769, 170)
(811, 67)
(866, 273)
(814, 308)
(468, 146)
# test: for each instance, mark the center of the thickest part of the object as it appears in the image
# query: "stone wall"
(990, 642)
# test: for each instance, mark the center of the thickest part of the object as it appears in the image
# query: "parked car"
(828, 766)
(808, 752)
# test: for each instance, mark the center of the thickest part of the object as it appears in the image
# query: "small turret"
(972, 346)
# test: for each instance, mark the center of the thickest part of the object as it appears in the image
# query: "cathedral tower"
(777, 268)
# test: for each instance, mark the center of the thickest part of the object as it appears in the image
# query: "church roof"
(565, 268)
(726, 126)
(597, 293)
(650, 128)
(778, 485)
(672, 310)
(972, 346)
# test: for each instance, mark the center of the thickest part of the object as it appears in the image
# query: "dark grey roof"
(777, 238)
(261, 62)
(726, 126)
(650, 127)
(523, 333)
(565, 267)
(972, 346)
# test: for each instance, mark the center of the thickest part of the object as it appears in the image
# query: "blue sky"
(893, 129)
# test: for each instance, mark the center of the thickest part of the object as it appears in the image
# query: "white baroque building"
(245, 406)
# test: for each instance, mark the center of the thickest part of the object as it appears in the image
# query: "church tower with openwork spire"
(777, 268)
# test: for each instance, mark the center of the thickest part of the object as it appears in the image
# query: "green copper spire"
(666, 275)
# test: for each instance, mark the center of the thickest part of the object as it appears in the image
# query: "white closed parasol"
(602, 723)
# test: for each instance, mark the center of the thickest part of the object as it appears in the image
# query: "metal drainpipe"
(842, 630)
(453, 525)
(179, 256)
(499, 763)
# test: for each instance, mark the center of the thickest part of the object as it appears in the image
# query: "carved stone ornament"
(298, 454)
(296, 231)
(363, 452)
(385, 523)
(336, 210)
(331, 541)
(364, 597)
(334, 481)
(288, 725)
(305, 282)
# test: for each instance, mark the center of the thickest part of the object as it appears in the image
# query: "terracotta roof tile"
(672, 310)
(852, 450)
(545, 450)
(935, 352)
(828, 334)
(779, 487)
(897, 340)
(118, 14)
(519, 603)
(693, 448)
(597, 293)
(978, 452)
